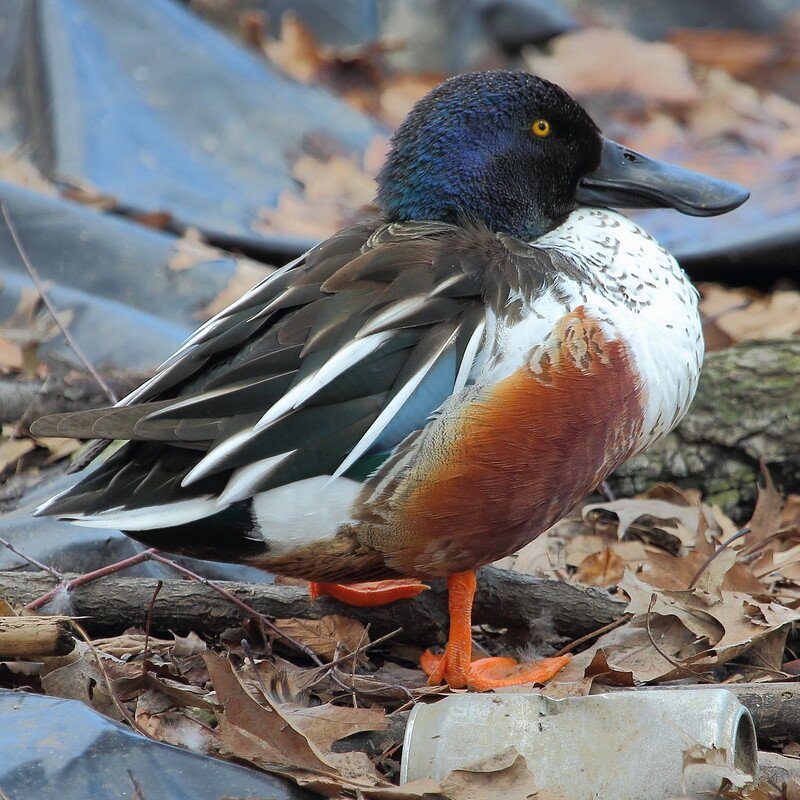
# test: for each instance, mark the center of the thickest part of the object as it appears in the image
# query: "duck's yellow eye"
(541, 127)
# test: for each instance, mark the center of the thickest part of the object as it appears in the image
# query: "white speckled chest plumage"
(639, 293)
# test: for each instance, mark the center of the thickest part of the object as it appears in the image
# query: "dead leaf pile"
(700, 594)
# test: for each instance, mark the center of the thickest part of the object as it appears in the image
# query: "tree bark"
(529, 607)
(747, 410)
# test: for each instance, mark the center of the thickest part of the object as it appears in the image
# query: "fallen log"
(747, 410)
(528, 607)
(33, 638)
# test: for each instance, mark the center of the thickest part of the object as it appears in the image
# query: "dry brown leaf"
(192, 249)
(739, 52)
(265, 736)
(400, 92)
(12, 450)
(81, 679)
(650, 518)
(665, 571)
(30, 325)
(325, 635)
(335, 191)
(601, 569)
(597, 61)
(772, 316)
(252, 732)
(729, 623)
(187, 646)
(710, 580)
(714, 761)
(11, 356)
(16, 168)
(323, 725)
(626, 657)
(766, 518)
(504, 774)
(296, 52)
(127, 645)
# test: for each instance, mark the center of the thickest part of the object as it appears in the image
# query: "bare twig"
(37, 281)
(667, 656)
(57, 575)
(148, 622)
(570, 646)
(723, 546)
(88, 578)
(117, 702)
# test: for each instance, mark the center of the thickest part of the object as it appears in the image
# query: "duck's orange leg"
(453, 665)
(369, 593)
(456, 667)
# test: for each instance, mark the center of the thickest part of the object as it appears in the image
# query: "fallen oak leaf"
(730, 624)
(665, 571)
(265, 736)
(326, 634)
(504, 774)
(714, 760)
(254, 732)
(600, 569)
(626, 657)
(158, 718)
(325, 724)
(666, 518)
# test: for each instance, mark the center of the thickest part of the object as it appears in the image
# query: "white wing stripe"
(468, 359)
(392, 407)
(244, 480)
(343, 359)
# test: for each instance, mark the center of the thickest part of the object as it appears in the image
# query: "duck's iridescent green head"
(517, 153)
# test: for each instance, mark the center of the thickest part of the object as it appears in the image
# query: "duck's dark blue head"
(517, 153)
(504, 148)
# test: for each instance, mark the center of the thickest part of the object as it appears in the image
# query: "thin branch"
(723, 546)
(57, 575)
(38, 283)
(88, 578)
(148, 623)
(131, 719)
(666, 656)
(570, 646)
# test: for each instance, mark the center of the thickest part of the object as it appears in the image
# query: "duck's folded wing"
(321, 369)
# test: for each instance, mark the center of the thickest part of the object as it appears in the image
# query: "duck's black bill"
(627, 179)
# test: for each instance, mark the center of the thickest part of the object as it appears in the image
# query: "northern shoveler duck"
(426, 391)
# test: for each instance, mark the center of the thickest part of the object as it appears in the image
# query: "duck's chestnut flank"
(467, 151)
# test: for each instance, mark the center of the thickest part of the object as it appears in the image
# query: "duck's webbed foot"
(456, 667)
(369, 593)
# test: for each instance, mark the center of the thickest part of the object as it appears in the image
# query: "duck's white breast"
(638, 293)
